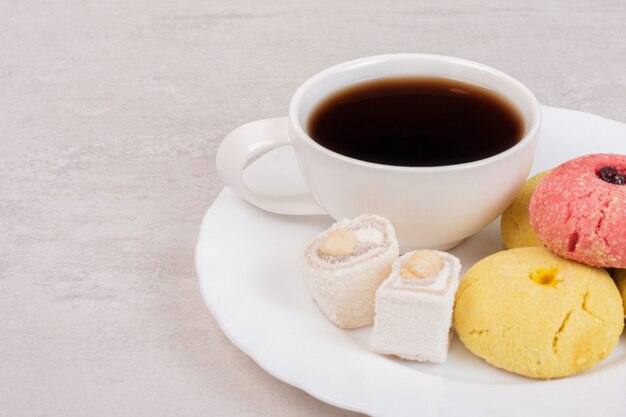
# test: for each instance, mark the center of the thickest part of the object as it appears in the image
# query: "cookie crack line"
(572, 242)
(586, 309)
(570, 210)
(557, 335)
(478, 331)
(603, 209)
(573, 237)
(597, 230)
(568, 213)
(487, 331)
(462, 289)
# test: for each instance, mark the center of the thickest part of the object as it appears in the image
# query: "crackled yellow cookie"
(514, 223)
(620, 280)
(533, 313)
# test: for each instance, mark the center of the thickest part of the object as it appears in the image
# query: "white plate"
(250, 277)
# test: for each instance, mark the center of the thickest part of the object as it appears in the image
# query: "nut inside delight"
(422, 264)
(339, 242)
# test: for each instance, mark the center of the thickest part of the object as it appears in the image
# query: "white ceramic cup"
(430, 207)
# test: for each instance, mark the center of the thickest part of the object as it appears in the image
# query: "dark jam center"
(612, 175)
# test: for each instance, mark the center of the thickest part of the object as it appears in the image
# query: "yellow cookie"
(620, 280)
(533, 313)
(514, 223)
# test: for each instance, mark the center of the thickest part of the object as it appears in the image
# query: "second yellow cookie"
(530, 312)
(515, 223)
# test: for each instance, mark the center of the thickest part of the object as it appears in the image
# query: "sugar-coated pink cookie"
(579, 210)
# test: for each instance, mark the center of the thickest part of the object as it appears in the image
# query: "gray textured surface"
(110, 115)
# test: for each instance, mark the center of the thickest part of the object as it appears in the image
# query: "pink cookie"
(579, 210)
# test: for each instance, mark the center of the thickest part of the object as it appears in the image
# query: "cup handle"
(248, 141)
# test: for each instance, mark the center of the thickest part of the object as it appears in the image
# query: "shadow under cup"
(435, 206)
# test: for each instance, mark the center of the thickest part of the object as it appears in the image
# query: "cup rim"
(529, 136)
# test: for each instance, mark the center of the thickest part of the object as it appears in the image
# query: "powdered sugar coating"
(413, 317)
(344, 287)
(369, 234)
(579, 216)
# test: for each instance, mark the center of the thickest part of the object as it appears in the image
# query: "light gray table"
(110, 115)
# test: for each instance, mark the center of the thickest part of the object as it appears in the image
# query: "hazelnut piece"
(423, 263)
(339, 242)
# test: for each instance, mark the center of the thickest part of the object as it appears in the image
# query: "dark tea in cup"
(416, 121)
